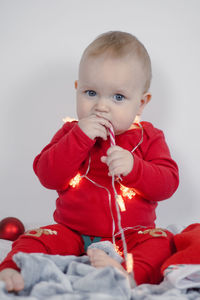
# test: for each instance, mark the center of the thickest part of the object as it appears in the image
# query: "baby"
(112, 92)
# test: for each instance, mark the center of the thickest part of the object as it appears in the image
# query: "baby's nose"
(102, 105)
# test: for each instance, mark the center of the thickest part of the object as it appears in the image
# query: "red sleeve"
(61, 159)
(155, 175)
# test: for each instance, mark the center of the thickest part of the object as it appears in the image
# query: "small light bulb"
(137, 119)
(129, 263)
(75, 181)
(121, 203)
(68, 119)
(127, 192)
(117, 250)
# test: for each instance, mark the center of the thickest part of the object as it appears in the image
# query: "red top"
(85, 208)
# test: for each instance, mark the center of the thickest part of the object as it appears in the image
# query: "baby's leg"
(99, 259)
(52, 239)
(150, 248)
(13, 280)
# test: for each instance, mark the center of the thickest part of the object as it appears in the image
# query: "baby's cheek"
(123, 124)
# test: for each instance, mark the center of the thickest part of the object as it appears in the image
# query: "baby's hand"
(119, 161)
(13, 280)
(95, 126)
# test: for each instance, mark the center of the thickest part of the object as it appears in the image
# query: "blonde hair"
(119, 44)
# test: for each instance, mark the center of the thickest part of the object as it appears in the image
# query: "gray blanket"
(55, 277)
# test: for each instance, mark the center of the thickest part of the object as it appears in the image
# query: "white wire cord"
(121, 230)
(110, 205)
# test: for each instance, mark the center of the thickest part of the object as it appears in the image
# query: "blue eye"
(91, 93)
(119, 97)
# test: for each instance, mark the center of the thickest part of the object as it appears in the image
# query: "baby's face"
(110, 87)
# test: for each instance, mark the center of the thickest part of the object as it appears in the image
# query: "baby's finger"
(18, 282)
(103, 159)
(103, 121)
(100, 131)
(114, 149)
(9, 284)
(115, 156)
(89, 252)
(116, 168)
(116, 172)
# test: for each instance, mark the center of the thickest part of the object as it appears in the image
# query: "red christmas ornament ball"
(11, 228)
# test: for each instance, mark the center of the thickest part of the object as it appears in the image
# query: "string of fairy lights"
(119, 199)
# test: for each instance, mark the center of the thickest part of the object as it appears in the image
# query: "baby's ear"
(76, 84)
(143, 102)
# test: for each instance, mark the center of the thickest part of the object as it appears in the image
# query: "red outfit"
(85, 208)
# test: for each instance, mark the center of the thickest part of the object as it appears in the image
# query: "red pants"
(149, 247)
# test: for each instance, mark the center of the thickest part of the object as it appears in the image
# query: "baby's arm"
(61, 159)
(154, 175)
(13, 280)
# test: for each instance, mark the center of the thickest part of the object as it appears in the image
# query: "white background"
(41, 42)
